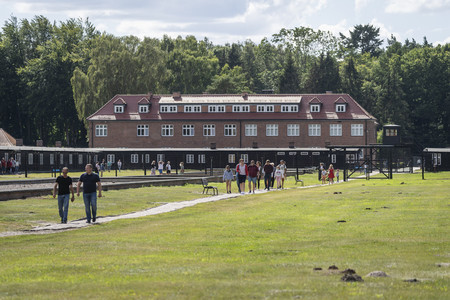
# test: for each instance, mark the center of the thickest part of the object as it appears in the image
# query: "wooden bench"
(207, 187)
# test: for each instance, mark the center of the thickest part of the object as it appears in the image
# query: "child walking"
(228, 177)
(337, 175)
(324, 176)
(331, 174)
(278, 176)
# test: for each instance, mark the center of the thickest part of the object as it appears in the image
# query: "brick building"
(231, 121)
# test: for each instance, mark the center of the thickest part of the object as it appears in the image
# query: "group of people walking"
(253, 174)
(10, 166)
(91, 184)
(328, 174)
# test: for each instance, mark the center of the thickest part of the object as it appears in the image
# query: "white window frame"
(335, 129)
(341, 107)
(357, 130)
(30, 158)
(147, 158)
(251, 130)
(101, 130)
(134, 159)
(188, 130)
(229, 130)
(52, 159)
(216, 108)
(61, 159)
(168, 109)
(143, 108)
(111, 158)
(271, 129)
(314, 130)
(289, 108)
(41, 159)
(265, 108)
(437, 159)
(201, 158)
(192, 108)
(190, 158)
(70, 159)
(209, 130)
(245, 158)
(142, 130)
(231, 158)
(80, 159)
(241, 108)
(314, 108)
(293, 130)
(160, 157)
(167, 130)
(119, 109)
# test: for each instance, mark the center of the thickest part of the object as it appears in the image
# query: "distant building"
(231, 121)
(6, 140)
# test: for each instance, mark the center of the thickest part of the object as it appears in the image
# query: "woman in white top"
(283, 169)
(160, 167)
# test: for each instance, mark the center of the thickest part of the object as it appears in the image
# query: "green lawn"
(262, 246)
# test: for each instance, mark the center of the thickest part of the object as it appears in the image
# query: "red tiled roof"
(328, 109)
(6, 139)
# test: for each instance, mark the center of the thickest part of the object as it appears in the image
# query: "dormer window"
(341, 107)
(119, 109)
(192, 108)
(168, 108)
(315, 108)
(143, 108)
(265, 108)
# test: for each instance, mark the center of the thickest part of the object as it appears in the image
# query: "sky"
(229, 21)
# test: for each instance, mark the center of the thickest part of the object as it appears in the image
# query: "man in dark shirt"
(268, 170)
(64, 185)
(90, 182)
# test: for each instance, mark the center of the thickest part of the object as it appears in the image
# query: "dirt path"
(165, 208)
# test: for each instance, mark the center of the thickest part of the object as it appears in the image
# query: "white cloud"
(341, 27)
(360, 4)
(414, 6)
(385, 31)
(446, 41)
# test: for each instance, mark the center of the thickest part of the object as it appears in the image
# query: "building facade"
(231, 121)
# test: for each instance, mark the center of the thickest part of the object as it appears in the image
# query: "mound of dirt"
(377, 274)
(348, 271)
(333, 267)
(351, 278)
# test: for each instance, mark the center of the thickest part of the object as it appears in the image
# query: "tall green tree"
(289, 81)
(229, 81)
(363, 39)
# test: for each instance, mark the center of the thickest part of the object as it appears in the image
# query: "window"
(201, 158)
(357, 130)
(245, 158)
(188, 130)
(289, 108)
(101, 130)
(189, 158)
(231, 158)
(19, 157)
(391, 132)
(147, 158)
(6, 156)
(168, 108)
(341, 107)
(160, 157)
(166, 130)
(436, 157)
(134, 158)
(61, 159)
(142, 130)
(80, 159)
(293, 130)
(241, 108)
(230, 130)
(251, 130)
(143, 108)
(209, 130)
(52, 159)
(30, 158)
(272, 130)
(333, 158)
(216, 108)
(265, 108)
(315, 108)
(41, 159)
(118, 109)
(70, 159)
(335, 129)
(314, 130)
(111, 158)
(192, 108)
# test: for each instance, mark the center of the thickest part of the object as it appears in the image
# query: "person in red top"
(252, 175)
(9, 166)
(242, 173)
(3, 165)
(331, 175)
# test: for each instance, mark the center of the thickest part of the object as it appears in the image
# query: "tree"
(230, 81)
(351, 81)
(289, 82)
(363, 39)
(323, 76)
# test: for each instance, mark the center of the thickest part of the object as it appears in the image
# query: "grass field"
(255, 246)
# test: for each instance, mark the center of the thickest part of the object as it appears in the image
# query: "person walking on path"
(90, 183)
(278, 176)
(337, 175)
(182, 167)
(252, 176)
(283, 169)
(331, 175)
(168, 168)
(258, 177)
(268, 170)
(321, 168)
(102, 167)
(324, 176)
(119, 165)
(160, 167)
(3, 166)
(65, 188)
(228, 177)
(242, 173)
(153, 166)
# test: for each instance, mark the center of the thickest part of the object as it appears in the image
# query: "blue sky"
(234, 20)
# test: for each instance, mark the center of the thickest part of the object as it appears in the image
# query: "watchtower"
(391, 134)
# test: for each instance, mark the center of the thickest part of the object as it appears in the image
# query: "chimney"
(19, 142)
(245, 96)
(176, 96)
(329, 92)
(39, 143)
